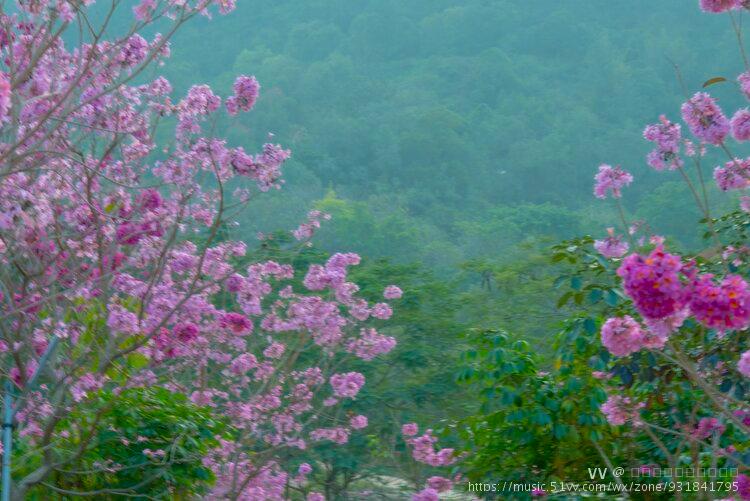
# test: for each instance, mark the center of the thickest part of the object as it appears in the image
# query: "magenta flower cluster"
(654, 283)
(718, 6)
(722, 307)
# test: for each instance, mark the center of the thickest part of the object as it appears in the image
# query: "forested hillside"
(439, 130)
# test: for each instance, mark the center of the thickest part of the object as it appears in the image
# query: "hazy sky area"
(459, 123)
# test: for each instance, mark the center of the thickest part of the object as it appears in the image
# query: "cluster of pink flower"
(347, 385)
(306, 230)
(735, 175)
(620, 410)
(665, 292)
(744, 364)
(723, 307)
(622, 336)
(613, 246)
(707, 427)
(370, 344)
(743, 486)
(423, 451)
(705, 119)
(717, 6)
(667, 136)
(245, 94)
(337, 435)
(653, 283)
(611, 179)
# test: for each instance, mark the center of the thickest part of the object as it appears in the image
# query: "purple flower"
(245, 94)
(622, 336)
(611, 247)
(611, 179)
(666, 135)
(717, 6)
(706, 120)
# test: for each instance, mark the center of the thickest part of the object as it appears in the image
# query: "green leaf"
(595, 296)
(590, 325)
(576, 283)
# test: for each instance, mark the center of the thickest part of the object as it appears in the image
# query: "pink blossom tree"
(114, 276)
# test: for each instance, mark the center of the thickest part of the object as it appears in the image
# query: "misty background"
(439, 131)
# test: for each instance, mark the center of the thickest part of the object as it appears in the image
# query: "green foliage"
(131, 424)
(533, 424)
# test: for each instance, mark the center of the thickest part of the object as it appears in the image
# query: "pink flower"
(653, 283)
(667, 137)
(200, 100)
(337, 435)
(87, 383)
(143, 10)
(707, 427)
(722, 307)
(185, 332)
(735, 175)
(619, 410)
(741, 125)
(245, 94)
(743, 486)
(659, 329)
(122, 320)
(440, 484)
(129, 234)
(275, 350)
(150, 199)
(5, 97)
(358, 422)
(423, 450)
(134, 51)
(622, 336)
(347, 385)
(370, 344)
(744, 364)
(392, 292)
(611, 179)
(381, 311)
(611, 247)
(705, 119)
(717, 6)
(409, 429)
(237, 323)
(427, 494)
